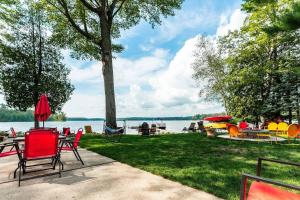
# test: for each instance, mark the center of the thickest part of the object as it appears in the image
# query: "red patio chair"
(13, 132)
(263, 188)
(66, 131)
(243, 125)
(39, 144)
(72, 145)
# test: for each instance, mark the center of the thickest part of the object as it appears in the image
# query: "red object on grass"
(259, 190)
(42, 110)
(224, 118)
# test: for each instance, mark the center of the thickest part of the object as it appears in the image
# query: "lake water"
(97, 126)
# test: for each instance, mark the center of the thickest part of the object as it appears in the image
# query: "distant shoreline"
(136, 119)
(120, 119)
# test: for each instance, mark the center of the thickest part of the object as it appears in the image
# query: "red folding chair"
(66, 131)
(72, 145)
(39, 144)
(264, 188)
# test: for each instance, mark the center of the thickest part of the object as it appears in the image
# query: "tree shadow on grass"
(211, 164)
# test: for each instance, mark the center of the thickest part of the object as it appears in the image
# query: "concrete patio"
(99, 178)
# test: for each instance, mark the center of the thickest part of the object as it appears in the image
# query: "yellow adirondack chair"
(273, 126)
(282, 129)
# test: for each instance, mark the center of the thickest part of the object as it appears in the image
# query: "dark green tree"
(288, 19)
(88, 27)
(255, 71)
(30, 64)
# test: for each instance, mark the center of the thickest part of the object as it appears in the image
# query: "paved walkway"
(100, 178)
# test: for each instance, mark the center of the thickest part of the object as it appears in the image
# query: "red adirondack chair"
(72, 145)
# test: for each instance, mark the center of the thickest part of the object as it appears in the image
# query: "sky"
(153, 75)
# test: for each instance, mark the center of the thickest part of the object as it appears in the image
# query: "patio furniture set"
(41, 144)
(275, 130)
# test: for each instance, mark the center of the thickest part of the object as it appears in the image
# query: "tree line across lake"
(12, 115)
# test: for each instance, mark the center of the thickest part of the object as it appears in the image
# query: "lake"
(97, 126)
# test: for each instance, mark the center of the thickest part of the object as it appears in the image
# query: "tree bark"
(107, 70)
(290, 116)
(298, 111)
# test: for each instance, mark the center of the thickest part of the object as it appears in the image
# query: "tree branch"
(120, 7)
(85, 33)
(113, 5)
(89, 6)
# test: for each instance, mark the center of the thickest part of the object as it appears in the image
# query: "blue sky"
(153, 73)
(195, 16)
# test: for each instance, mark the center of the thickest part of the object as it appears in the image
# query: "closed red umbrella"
(225, 118)
(42, 109)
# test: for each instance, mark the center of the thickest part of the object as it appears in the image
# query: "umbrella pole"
(43, 124)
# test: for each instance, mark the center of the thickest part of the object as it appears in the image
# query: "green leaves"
(256, 71)
(31, 64)
(76, 24)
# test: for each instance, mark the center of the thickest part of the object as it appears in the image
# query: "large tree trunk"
(107, 70)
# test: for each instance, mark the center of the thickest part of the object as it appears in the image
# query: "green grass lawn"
(209, 164)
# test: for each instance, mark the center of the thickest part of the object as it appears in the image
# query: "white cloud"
(170, 88)
(130, 71)
(180, 23)
(89, 74)
(85, 105)
(176, 85)
(231, 22)
(155, 85)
